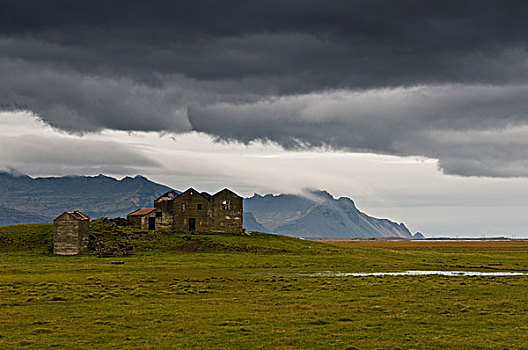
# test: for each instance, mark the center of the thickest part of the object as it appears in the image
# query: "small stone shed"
(71, 233)
(143, 218)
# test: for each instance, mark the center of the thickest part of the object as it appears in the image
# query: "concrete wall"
(70, 236)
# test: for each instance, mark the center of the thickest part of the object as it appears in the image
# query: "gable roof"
(225, 190)
(142, 211)
(169, 195)
(77, 215)
(192, 192)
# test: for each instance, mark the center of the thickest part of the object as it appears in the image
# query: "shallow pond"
(418, 273)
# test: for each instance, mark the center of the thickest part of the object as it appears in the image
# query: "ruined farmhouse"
(71, 233)
(192, 212)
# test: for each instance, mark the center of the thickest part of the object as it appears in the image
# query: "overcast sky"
(415, 109)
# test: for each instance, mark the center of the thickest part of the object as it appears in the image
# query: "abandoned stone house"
(192, 211)
(71, 233)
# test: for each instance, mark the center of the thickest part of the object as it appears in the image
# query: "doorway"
(152, 223)
(192, 224)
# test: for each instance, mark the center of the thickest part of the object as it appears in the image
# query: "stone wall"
(191, 205)
(165, 205)
(227, 212)
(197, 212)
(71, 235)
(164, 222)
(134, 220)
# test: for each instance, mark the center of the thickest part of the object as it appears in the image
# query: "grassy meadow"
(257, 291)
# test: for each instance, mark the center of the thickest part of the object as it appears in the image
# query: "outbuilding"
(71, 233)
(144, 218)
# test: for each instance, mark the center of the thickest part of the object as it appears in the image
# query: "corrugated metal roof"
(141, 212)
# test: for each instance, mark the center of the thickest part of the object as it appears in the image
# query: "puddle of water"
(417, 273)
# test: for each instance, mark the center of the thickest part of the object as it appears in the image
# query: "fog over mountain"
(316, 214)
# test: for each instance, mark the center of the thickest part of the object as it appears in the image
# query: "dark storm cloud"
(473, 130)
(365, 75)
(323, 44)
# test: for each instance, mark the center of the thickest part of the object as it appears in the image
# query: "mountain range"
(315, 214)
(30, 200)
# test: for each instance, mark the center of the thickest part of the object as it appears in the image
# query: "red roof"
(79, 216)
(141, 212)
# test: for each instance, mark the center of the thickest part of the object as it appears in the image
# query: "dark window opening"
(225, 205)
(158, 214)
(198, 207)
(151, 223)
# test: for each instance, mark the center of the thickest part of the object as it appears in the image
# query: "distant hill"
(33, 200)
(316, 215)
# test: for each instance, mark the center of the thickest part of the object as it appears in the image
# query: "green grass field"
(258, 291)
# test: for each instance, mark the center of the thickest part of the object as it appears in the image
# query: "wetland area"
(265, 291)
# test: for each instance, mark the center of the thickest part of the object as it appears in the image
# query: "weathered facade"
(71, 233)
(143, 218)
(199, 212)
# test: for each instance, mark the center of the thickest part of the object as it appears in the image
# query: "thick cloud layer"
(442, 79)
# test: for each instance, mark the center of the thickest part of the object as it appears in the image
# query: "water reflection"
(418, 273)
